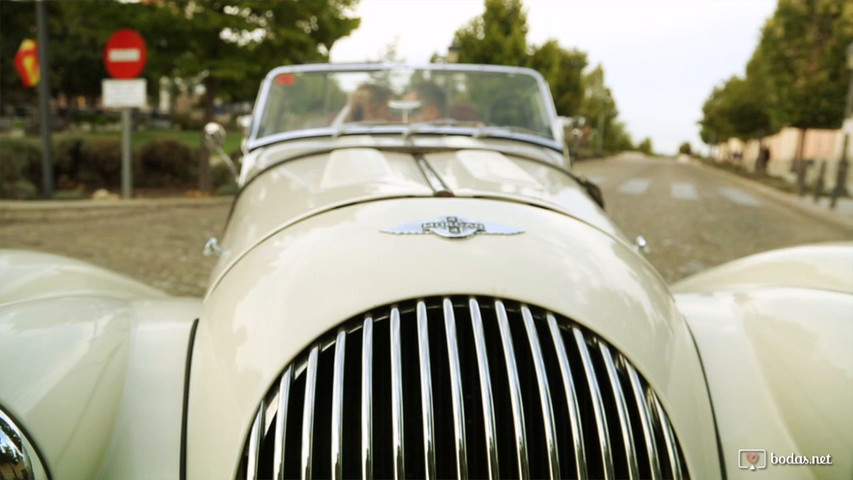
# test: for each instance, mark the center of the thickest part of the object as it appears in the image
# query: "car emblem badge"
(452, 227)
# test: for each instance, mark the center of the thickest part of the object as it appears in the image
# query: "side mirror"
(214, 136)
(214, 140)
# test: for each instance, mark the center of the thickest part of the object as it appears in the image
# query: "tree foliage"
(563, 70)
(736, 109)
(599, 108)
(646, 146)
(801, 58)
(796, 77)
(498, 37)
(229, 44)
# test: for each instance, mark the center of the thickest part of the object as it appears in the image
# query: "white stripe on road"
(739, 196)
(684, 191)
(637, 186)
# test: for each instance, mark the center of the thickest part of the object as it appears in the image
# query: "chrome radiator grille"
(461, 387)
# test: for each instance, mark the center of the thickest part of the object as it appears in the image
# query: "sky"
(661, 58)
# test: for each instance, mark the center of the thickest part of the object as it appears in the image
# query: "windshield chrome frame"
(253, 142)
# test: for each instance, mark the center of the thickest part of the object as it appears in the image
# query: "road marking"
(684, 191)
(636, 186)
(597, 179)
(739, 196)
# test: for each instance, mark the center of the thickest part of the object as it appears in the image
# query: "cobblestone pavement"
(159, 243)
(693, 219)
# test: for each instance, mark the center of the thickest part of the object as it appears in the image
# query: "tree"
(563, 70)
(685, 148)
(735, 109)
(801, 59)
(646, 146)
(497, 37)
(227, 44)
(599, 108)
(231, 45)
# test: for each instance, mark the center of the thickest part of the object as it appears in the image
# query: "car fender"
(98, 378)
(775, 346)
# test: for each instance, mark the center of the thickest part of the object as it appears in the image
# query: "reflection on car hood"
(293, 190)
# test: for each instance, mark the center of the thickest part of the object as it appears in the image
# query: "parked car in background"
(413, 283)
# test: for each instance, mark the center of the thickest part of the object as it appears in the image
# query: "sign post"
(44, 100)
(124, 58)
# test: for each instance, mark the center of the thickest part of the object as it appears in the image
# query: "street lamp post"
(841, 180)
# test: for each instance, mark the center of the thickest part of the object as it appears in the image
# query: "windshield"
(478, 101)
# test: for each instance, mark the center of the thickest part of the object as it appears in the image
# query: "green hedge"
(20, 168)
(86, 164)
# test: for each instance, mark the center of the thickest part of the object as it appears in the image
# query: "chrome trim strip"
(397, 397)
(456, 390)
(514, 390)
(308, 413)
(426, 391)
(338, 405)
(485, 388)
(671, 448)
(544, 392)
(645, 419)
(621, 411)
(255, 444)
(281, 423)
(435, 183)
(597, 406)
(367, 399)
(571, 397)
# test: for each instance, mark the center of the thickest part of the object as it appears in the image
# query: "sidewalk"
(841, 215)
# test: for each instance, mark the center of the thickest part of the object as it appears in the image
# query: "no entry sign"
(125, 54)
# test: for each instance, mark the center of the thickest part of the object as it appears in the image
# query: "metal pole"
(44, 100)
(126, 182)
(841, 176)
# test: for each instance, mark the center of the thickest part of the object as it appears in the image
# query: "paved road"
(695, 217)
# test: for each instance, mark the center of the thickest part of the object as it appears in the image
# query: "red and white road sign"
(125, 54)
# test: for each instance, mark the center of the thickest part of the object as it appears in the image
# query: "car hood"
(304, 280)
(288, 192)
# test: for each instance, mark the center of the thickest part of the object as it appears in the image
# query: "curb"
(34, 205)
(803, 204)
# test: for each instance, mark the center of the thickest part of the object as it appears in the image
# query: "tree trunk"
(204, 155)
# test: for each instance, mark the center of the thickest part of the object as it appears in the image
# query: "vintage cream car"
(412, 283)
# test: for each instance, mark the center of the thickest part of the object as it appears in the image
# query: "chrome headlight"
(18, 456)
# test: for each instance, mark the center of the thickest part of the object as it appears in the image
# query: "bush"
(20, 168)
(166, 163)
(67, 162)
(100, 163)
